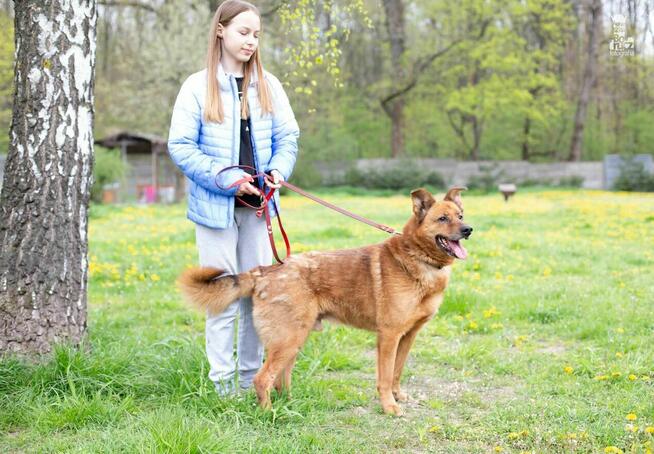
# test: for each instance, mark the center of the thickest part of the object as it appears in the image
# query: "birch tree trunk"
(47, 182)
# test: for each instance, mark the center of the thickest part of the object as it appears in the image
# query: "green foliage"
(508, 65)
(317, 50)
(634, 177)
(108, 168)
(405, 175)
(6, 78)
(305, 175)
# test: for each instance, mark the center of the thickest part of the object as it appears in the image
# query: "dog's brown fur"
(392, 288)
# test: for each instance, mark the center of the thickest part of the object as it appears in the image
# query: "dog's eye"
(460, 217)
(442, 219)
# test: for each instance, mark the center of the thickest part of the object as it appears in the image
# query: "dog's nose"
(466, 231)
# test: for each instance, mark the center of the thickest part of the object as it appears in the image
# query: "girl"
(233, 112)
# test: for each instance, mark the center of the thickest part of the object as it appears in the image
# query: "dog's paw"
(393, 409)
(401, 396)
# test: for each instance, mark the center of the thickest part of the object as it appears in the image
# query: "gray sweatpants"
(236, 249)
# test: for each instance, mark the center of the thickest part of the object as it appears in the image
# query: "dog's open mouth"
(452, 247)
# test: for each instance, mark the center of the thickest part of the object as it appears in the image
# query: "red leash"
(267, 196)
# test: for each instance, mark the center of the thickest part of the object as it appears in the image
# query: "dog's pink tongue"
(458, 249)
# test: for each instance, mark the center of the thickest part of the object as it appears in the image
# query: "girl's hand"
(247, 188)
(277, 178)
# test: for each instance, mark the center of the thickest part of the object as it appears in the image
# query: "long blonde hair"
(213, 106)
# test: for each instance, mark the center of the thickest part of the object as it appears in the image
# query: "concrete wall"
(459, 172)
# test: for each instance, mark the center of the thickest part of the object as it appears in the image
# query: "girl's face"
(241, 37)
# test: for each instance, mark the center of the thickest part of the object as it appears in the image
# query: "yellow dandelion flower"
(619, 354)
(473, 325)
(632, 377)
(631, 417)
(519, 340)
(613, 450)
(488, 313)
(434, 429)
(619, 330)
(568, 370)
(649, 429)
(513, 436)
(601, 377)
(155, 277)
(498, 449)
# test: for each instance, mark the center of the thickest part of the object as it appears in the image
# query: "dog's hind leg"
(283, 380)
(281, 355)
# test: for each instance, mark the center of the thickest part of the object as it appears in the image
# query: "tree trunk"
(397, 132)
(477, 128)
(590, 75)
(394, 10)
(47, 182)
(525, 141)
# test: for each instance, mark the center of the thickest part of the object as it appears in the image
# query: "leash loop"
(266, 197)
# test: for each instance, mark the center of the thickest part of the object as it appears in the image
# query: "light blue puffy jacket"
(201, 149)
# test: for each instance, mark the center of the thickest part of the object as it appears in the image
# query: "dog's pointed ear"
(422, 202)
(454, 195)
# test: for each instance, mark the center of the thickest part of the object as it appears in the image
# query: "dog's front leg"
(386, 350)
(406, 342)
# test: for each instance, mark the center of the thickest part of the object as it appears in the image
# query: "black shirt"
(246, 155)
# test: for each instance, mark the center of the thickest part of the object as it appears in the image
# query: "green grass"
(545, 342)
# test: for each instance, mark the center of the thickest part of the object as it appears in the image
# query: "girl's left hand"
(277, 178)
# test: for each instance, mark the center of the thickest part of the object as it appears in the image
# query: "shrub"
(305, 175)
(405, 175)
(634, 177)
(108, 168)
(488, 180)
(573, 181)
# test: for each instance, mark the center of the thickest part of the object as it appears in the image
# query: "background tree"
(594, 8)
(47, 180)
(477, 80)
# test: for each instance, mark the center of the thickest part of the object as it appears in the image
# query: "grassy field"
(545, 342)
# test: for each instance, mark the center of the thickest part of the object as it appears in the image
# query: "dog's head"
(438, 227)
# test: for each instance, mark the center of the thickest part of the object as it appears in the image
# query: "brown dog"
(392, 288)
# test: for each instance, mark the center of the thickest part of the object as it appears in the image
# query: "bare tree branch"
(418, 68)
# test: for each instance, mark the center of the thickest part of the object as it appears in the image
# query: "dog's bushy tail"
(212, 290)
